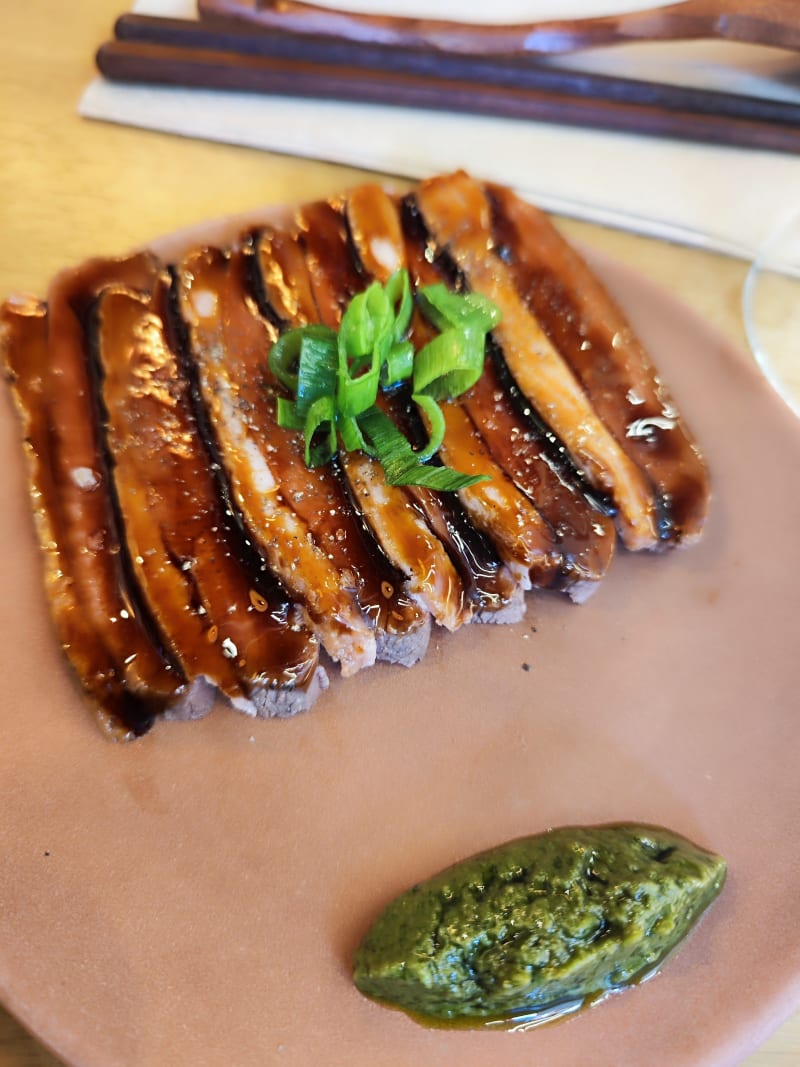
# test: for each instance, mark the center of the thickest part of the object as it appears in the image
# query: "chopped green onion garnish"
(437, 426)
(334, 378)
(320, 431)
(401, 464)
(444, 308)
(451, 363)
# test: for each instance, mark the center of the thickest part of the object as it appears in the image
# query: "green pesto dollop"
(563, 916)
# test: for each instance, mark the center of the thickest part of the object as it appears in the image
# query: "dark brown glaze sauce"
(399, 534)
(100, 672)
(359, 571)
(379, 584)
(509, 518)
(393, 513)
(597, 341)
(296, 679)
(535, 461)
(186, 549)
(496, 507)
(491, 586)
(376, 241)
(283, 285)
(457, 214)
(488, 583)
(280, 606)
(265, 464)
(104, 624)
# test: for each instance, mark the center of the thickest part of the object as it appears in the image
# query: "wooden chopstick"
(514, 72)
(142, 62)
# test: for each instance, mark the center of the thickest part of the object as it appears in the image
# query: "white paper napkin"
(727, 199)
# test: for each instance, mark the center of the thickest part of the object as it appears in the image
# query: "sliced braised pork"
(104, 625)
(188, 547)
(488, 584)
(457, 214)
(395, 522)
(487, 434)
(302, 519)
(212, 597)
(533, 459)
(597, 341)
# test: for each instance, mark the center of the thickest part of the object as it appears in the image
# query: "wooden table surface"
(70, 188)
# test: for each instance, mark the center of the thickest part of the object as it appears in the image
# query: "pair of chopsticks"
(236, 55)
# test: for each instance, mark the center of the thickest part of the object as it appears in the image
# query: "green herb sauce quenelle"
(559, 918)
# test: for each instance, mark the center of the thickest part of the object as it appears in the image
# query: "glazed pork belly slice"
(408, 541)
(213, 597)
(391, 515)
(583, 530)
(335, 279)
(457, 214)
(301, 518)
(534, 459)
(102, 622)
(592, 334)
(499, 507)
(495, 506)
(488, 584)
(496, 594)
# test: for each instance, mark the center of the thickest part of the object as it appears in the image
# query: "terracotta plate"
(195, 898)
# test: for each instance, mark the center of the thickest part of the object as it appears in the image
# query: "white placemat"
(727, 199)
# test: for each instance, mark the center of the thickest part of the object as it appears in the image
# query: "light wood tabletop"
(70, 188)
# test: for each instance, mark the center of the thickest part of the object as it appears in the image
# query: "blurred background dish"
(771, 308)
